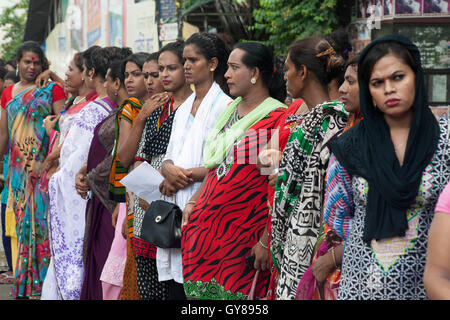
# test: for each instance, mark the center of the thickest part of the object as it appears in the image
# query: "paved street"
(5, 290)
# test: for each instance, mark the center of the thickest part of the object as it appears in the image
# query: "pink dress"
(112, 274)
(443, 204)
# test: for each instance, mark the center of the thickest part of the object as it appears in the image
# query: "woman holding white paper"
(205, 57)
(146, 97)
(152, 149)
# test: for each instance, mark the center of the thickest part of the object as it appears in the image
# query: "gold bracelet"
(263, 245)
(334, 258)
(191, 202)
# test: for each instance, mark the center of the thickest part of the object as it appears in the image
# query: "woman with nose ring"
(390, 168)
(80, 96)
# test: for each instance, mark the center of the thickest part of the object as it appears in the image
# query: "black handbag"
(161, 225)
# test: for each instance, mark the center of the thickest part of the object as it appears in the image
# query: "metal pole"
(179, 4)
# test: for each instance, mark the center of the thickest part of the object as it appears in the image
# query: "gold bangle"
(191, 202)
(334, 257)
(262, 244)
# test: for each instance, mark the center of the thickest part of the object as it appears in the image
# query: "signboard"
(432, 42)
(167, 9)
(115, 23)
(94, 26)
(74, 23)
(387, 9)
(168, 31)
(408, 7)
(142, 31)
(436, 7)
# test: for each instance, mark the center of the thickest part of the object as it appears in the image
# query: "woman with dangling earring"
(68, 209)
(224, 236)
(80, 95)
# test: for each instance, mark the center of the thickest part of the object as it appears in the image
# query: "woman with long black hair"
(26, 107)
(67, 208)
(390, 168)
(225, 219)
(297, 207)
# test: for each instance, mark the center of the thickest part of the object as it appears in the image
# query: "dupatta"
(220, 142)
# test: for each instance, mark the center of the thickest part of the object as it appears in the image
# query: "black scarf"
(366, 150)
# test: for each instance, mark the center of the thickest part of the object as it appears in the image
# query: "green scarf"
(219, 142)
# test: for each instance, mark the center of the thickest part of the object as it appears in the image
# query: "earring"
(115, 93)
(253, 80)
(82, 79)
(212, 69)
(374, 103)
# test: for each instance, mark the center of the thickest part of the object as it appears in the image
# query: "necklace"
(20, 87)
(77, 102)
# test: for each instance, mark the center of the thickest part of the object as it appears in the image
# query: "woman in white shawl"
(205, 57)
(67, 209)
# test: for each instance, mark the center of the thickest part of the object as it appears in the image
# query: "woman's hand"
(323, 266)
(81, 185)
(43, 78)
(150, 105)
(48, 163)
(49, 124)
(268, 161)
(273, 178)
(188, 208)
(115, 215)
(177, 178)
(166, 189)
(125, 228)
(143, 204)
(262, 257)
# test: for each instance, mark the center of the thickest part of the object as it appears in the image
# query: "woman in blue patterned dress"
(386, 175)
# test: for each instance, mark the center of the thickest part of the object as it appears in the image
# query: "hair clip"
(326, 52)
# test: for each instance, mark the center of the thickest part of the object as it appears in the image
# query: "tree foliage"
(13, 20)
(283, 21)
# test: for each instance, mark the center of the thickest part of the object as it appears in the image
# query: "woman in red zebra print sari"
(225, 219)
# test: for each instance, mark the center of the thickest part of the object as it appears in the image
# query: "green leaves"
(13, 20)
(287, 20)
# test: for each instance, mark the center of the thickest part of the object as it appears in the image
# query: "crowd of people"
(318, 181)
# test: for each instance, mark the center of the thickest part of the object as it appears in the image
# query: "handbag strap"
(174, 198)
(251, 295)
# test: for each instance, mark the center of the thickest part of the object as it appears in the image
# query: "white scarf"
(185, 149)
